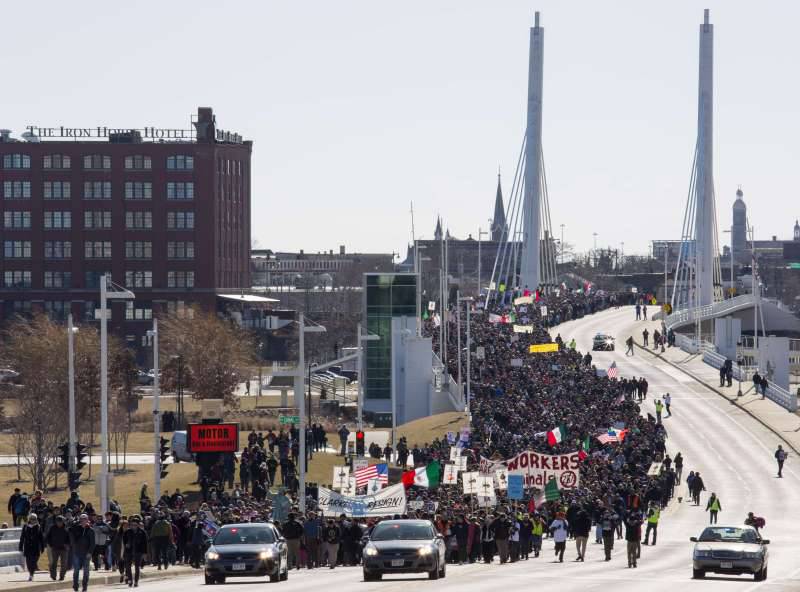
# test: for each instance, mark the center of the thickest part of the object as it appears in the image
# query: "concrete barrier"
(11, 560)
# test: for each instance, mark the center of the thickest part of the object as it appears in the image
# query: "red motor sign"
(213, 437)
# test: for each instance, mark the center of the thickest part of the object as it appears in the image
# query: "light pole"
(594, 234)
(418, 269)
(73, 437)
(360, 338)
(730, 292)
(153, 334)
(562, 244)
(108, 290)
(299, 401)
(739, 363)
(480, 238)
(469, 301)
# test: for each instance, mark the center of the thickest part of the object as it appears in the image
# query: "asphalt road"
(732, 451)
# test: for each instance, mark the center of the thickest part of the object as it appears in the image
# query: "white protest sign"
(516, 362)
(431, 305)
(462, 463)
(469, 482)
(487, 501)
(350, 488)
(501, 479)
(485, 485)
(374, 486)
(360, 463)
(387, 502)
(655, 469)
(455, 454)
(480, 353)
(543, 310)
(450, 475)
(340, 477)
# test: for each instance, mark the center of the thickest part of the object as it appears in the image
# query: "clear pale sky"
(356, 108)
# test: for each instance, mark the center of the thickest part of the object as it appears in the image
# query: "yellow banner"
(541, 348)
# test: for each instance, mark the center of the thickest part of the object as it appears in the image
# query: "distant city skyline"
(357, 109)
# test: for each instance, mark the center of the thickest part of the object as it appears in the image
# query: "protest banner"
(462, 463)
(487, 501)
(450, 476)
(480, 353)
(469, 482)
(543, 310)
(538, 468)
(422, 505)
(543, 348)
(374, 485)
(455, 454)
(350, 487)
(451, 438)
(359, 463)
(488, 466)
(515, 487)
(523, 300)
(523, 328)
(655, 469)
(484, 485)
(340, 476)
(516, 362)
(501, 479)
(387, 502)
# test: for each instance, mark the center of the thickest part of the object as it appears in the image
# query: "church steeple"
(438, 234)
(499, 219)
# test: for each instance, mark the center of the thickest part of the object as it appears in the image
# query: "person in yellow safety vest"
(713, 506)
(659, 409)
(537, 532)
(652, 523)
(572, 344)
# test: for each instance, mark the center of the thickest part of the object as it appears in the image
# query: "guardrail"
(774, 393)
(11, 560)
(685, 316)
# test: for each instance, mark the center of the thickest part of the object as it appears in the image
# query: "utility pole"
(153, 334)
(73, 438)
(299, 401)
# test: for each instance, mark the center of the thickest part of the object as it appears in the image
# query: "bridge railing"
(717, 309)
(11, 560)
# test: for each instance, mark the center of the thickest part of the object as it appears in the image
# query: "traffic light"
(74, 480)
(164, 455)
(63, 455)
(359, 443)
(80, 454)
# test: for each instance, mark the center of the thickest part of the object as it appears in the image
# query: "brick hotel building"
(165, 212)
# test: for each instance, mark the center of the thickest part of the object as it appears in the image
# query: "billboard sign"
(212, 437)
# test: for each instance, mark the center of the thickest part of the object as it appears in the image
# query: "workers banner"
(387, 502)
(543, 348)
(538, 469)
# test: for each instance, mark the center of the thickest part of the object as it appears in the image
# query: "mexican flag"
(550, 493)
(423, 477)
(583, 452)
(556, 435)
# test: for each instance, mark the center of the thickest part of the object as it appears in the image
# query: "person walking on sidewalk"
(81, 542)
(558, 528)
(713, 507)
(160, 540)
(667, 403)
(780, 457)
(645, 336)
(653, 514)
(57, 541)
(31, 544)
(134, 545)
(659, 408)
(633, 537)
(629, 343)
(678, 460)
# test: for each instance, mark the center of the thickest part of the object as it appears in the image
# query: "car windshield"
(245, 535)
(729, 535)
(402, 532)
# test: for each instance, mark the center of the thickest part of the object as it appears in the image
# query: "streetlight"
(730, 292)
(562, 244)
(153, 334)
(73, 437)
(418, 270)
(299, 395)
(480, 235)
(594, 234)
(108, 289)
(179, 394)
(739, 364)
(468, 300)
(360, 372)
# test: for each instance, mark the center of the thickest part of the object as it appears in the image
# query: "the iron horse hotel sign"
(154, 133)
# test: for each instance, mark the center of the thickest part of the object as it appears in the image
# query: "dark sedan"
(404, 546)
(246, 550)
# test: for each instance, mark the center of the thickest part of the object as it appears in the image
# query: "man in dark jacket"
(57, 541)
(582, 525)
(292, 531)
(633, 537)
(134, 545)
(332, 536)
(461, 531)
(81, 542)
(501, 529)
(12, 501)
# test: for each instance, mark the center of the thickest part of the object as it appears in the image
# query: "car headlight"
(371, 550)
(268, 554)
(702, 554)
(752, 555)
(425, 551)
(212, 555)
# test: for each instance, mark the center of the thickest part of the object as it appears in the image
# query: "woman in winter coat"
(31, 544)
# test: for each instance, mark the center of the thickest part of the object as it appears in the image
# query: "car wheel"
(434, 575)
(210, 580)
(760, 575)
(698, 574)
(612, 348)
(220, 579)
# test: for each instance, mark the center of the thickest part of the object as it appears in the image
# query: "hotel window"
(57, 220)
(98, 219)
(57, 249)
(179, 308)
(97, 249)
(96, 162)
(138, 190)
(15, 308)
(180, 190)
(57, 310)
(141, 220)
(57, 279)
(56, 161)
(17, 189)
(97, 190)
(180, 162)
(180, 220)
(138, 250)
(17, 249)
(137, 312)
(92, 281)
(17, 279)
(138, 279)
(138, 162)
(16, 220)
(180, 250)
(180, 279)
(57, 190)
(16, 161)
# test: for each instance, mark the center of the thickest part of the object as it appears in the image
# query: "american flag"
(612, 370)
(380, 472)
(612, 435)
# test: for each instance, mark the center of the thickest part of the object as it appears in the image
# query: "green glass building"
(386, 295)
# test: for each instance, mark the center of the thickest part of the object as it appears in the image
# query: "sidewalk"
(43, 583)
(783, 423)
